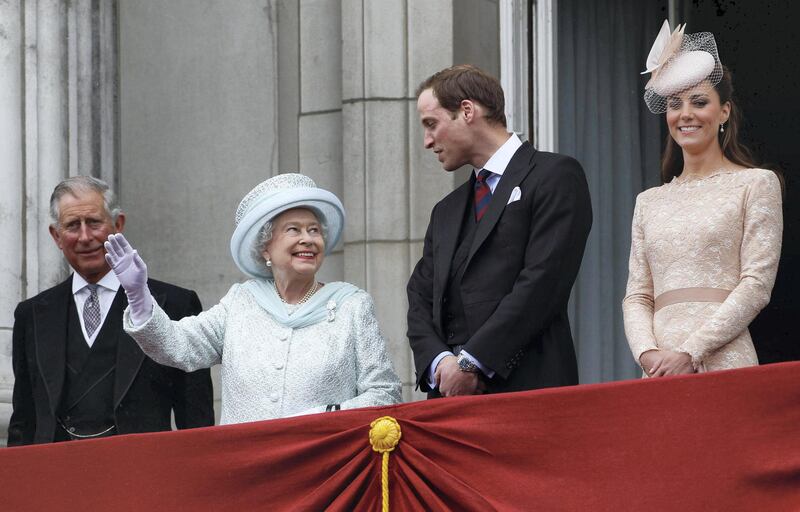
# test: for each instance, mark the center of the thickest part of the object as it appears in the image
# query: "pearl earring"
(721, 127)
(269, 262)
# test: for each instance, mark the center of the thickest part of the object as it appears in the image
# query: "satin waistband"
(690, 295)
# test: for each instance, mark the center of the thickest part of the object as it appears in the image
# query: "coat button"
(451, 335)
(274, 397)
(283, 336)
(71, 430)
(278, 365)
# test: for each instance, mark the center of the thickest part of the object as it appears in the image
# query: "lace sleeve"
(637, 306)
(759, 254)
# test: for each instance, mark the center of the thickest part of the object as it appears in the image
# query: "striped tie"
(91, 311)
(483, 194)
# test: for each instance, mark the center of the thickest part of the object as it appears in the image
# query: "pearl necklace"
(311, 291)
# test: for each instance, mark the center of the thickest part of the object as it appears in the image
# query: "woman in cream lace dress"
(706, 244)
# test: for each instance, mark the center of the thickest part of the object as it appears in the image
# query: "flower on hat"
(664, 48)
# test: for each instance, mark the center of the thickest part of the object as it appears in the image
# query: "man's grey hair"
(76, 184)
(265, 235)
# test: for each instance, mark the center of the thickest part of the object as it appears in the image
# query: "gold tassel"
(384, 435)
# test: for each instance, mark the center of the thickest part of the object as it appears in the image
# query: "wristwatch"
(465, 364)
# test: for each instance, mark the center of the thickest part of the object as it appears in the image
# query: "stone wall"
(184, 105)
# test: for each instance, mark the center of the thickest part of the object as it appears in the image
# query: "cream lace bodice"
(720, 231)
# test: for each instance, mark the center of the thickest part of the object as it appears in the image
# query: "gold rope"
(384, 434)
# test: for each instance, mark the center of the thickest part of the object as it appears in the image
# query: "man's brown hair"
(455, 84)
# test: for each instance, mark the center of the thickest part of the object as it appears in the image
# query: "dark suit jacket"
(144, 392)
(521, 267)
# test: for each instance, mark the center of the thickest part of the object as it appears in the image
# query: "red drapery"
(721, 441)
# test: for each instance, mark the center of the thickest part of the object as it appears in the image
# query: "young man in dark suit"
(77, 374)
(488, 299)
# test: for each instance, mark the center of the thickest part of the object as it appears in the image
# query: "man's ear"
(468, 110)
(55, 234)
(119, 224)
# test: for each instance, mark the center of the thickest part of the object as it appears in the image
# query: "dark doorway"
(758, 42)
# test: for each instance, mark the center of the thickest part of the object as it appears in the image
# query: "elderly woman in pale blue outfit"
(287, 344)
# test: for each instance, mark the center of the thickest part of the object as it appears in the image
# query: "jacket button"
(278, 365)
(71, 429)
(274, 397)
(451, 335)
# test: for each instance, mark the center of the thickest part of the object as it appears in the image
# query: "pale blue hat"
(272, 197)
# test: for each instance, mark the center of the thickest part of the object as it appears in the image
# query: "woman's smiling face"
(694, 117)
(297, 247)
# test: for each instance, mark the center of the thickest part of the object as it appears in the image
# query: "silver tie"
(91, 311)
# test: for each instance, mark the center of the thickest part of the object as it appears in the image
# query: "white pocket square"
(516, 195)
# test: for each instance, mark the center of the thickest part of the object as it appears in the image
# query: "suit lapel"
(129, 355)
(50, 331)
(448, 228)
(518, 168)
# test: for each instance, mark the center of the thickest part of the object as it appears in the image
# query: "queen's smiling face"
(694, 117)
(297, 248)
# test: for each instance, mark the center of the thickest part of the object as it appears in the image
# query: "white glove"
(132, 274)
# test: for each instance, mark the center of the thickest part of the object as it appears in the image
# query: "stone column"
(92, 88)
(47, 137)
(53, 104)
(320, 105)
(12, 264)
(67, 104)
(33, 120)
(389, 46)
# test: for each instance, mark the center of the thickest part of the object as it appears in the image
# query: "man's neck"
(93, 278)
(487, 145)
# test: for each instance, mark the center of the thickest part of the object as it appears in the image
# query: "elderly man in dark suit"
(77, 374)
(488, 299)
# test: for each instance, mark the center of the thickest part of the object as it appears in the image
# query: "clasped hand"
(454, 382)
(659, 363)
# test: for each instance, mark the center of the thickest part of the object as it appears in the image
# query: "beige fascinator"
(678, 61)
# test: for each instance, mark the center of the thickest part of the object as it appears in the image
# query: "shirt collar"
(108, 281)
(499, 161)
